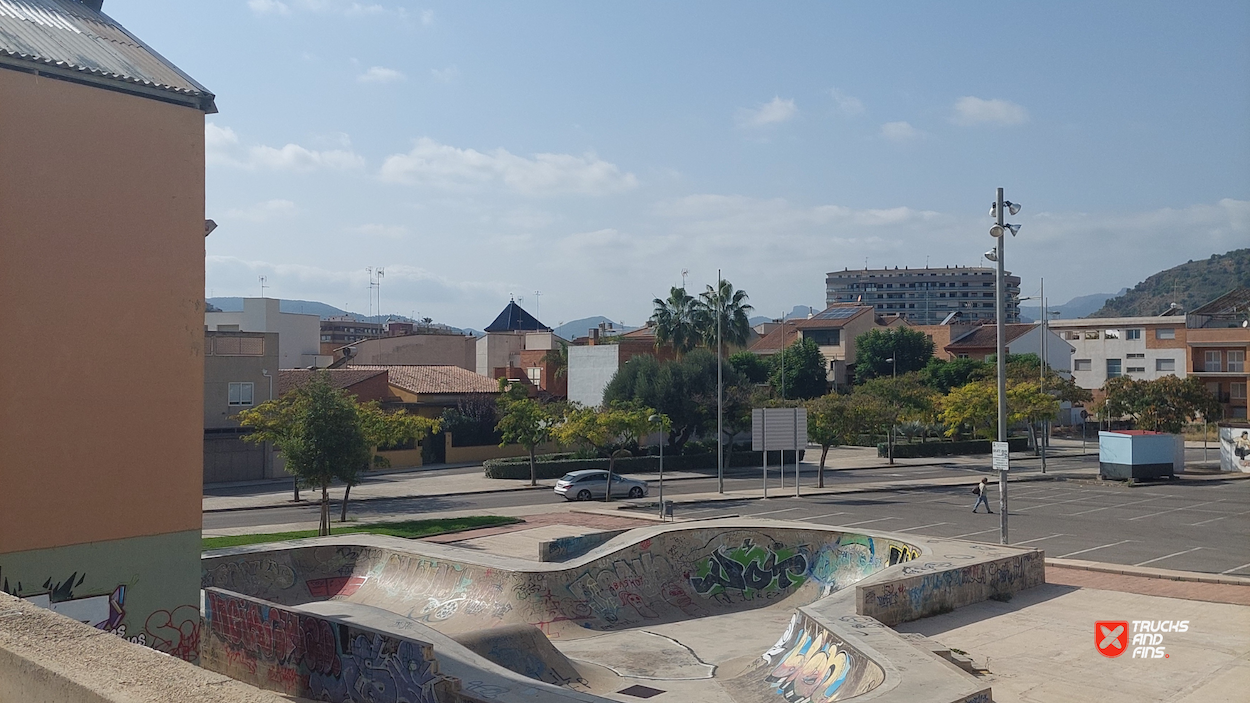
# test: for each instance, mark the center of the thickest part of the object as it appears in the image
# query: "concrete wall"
(419, 350)
(478, 454)
(496, 350)
(933, 587)
(1235, 448)
(303, 655)
(102, 205)
(591, 368)
(1058, 351)
(222, 370)
(48, 658)
(403, 458)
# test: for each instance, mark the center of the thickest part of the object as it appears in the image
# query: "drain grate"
(640, 691)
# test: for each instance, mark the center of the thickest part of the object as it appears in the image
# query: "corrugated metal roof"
(70, 40)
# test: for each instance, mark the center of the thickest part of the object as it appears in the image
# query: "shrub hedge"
(519, 467)
(966, 447)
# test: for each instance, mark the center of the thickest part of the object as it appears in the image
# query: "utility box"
(1140, 454)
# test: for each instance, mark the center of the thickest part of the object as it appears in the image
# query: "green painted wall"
(146, 589)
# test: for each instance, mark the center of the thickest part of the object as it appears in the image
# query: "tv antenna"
(262, 286)
(684, 273)
(537, 304)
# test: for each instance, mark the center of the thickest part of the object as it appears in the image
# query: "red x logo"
(1111, 637)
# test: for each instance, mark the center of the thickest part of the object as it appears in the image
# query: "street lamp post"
(660, 420)
(889, 442)
(999, 232)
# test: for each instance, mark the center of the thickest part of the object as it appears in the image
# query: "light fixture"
(1014, 229)
(991, 255)
(993, 209)
(997, 231)
(1013, 208)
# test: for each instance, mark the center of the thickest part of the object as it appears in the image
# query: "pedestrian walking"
(981, 489)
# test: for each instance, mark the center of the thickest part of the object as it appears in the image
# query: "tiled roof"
(1232, 302)
(290, 379)
(513, 318)
(781, 336)
(70, 40)
(986, 336)
(435, 379)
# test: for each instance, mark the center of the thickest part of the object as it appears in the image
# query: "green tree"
(912, 399)
(942, 375)
(317, 428)
(733, 311)
(910, 349)
(675, 321)
(829, 425)
(383, 429)
(750, 366)
(805, 371)
(683, 389)
(973, 405)
(522, 421)
(1164, 405)
(559, 357)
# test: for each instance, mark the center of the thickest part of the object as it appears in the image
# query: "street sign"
(778, 428)
(1000, 457)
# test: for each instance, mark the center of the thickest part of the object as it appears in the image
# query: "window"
(1236, 361)
(1113, 368)
(535, 375)
(1135, 356)
(1132, 334)
(1137, 369)
(1082, 365)
(1165, 364)
(1091, 334)
(1211, 362)
(240, 394)
(239, 346)
(824, 338)
(1071, 335)
(1165, 333)
(1237, 391)
(1112, 334)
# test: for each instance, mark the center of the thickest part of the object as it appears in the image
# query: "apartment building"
(298, 334)
(834, 330)
(1217, 340)
(924, 296)
(1144, 348)
(240, 369)
(337, 332)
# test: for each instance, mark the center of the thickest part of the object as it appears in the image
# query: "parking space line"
(1175, 554)
(969, 534)
(1039, 539)
(1187, 507)
(770, 512)
(1228, 515)
(865, 522)
(1057, 502)
(922, 527)
(1108, 507)
(1236, 568)
(1101, 546)
(819, 517)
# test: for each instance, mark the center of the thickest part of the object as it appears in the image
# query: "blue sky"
(593, 151)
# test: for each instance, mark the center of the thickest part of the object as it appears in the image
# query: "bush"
(519, 467)
(963, 448)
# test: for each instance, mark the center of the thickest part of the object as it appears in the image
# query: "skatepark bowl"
(749, 611)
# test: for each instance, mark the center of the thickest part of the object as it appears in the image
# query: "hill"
(307, 307)
(1077, 307)
(579, 328)
(1189, 285)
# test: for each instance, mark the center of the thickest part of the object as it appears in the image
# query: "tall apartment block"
(925, 296)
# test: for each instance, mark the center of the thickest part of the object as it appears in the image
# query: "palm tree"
(733, 310)
(674, 320)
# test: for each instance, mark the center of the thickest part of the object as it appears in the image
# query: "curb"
(1144, 572)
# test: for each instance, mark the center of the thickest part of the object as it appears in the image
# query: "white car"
(589, 484)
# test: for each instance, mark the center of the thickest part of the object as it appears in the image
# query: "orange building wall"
(101, 271)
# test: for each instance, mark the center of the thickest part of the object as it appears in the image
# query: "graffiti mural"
(749, 570)
(811, 665)
(312, 657)
(931, 587)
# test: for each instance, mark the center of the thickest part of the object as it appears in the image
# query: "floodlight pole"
(1000, 313)
(1041, 441)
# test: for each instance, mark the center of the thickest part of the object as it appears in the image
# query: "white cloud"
(222, 147)
(378, 74)
(848, 105)
(266, 211)
(376, 230)
(431, 163)
(427, 17)
(970, 111)
(900, 132)
(768, 113)
(268, 7)
(445, 75)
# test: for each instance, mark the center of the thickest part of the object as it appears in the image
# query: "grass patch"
(409, 529)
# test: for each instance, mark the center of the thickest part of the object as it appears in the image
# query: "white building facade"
(299, 335)
(1144, 348)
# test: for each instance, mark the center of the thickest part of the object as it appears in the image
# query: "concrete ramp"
(523, 649)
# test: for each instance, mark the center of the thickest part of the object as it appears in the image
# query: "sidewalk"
(447, 481)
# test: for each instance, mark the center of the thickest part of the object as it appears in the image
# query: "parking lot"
(1193, 526)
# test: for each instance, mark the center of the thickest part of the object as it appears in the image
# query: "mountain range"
(1188, 286)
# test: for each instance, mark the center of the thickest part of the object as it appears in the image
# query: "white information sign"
(778, 428)
(1001, 462)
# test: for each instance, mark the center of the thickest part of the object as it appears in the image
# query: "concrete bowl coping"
(920, 576)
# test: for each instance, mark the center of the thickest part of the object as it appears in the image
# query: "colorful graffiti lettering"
(814, 666)
(749, 569)
(175, 632)
(900, 553)
(380, 669)
(257, 576)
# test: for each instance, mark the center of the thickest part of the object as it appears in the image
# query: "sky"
(581, 156)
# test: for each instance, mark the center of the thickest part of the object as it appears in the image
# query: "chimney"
(594, 335)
